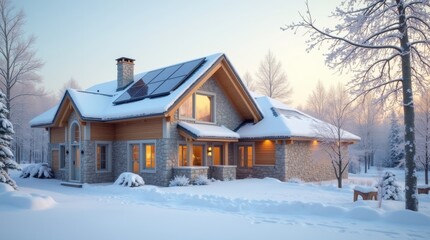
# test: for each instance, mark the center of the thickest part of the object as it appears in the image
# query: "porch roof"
(207, 132)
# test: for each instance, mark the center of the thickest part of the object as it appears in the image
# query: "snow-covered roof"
(282, 121)
(208, 130)
(97, 101)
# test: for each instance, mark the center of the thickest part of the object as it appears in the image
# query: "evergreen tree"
(6, 155)
(390, 189)
(396, 144)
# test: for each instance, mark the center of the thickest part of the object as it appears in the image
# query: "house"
(190, 118)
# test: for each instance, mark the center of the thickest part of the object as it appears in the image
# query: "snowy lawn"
(241, 209)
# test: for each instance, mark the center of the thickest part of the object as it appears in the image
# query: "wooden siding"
(265, 152)
(55, 165)
(57, 135)
(139, 129)
(102, 131)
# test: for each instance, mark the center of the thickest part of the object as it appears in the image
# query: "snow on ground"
(240, 209)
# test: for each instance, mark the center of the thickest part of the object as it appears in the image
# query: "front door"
(75, 163)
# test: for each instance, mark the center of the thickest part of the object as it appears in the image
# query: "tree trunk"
(409, 115)
(365, 163)
(426, 169)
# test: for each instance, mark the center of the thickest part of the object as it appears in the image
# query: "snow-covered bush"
(38, 170)
(390, 188)
(179, 181)
(201, 180)
(128, 179)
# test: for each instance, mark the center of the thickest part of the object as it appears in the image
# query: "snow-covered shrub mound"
(128, 179)
(390, 188)
(179, 181)
(201, 180)
(38, 170)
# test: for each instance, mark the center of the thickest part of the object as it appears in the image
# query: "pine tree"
(390, 189)
(396, 144)
(6, 155)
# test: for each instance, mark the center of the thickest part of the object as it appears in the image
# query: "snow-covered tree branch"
(385, 45)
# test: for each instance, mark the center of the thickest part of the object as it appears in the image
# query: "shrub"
(179, 181)
(128, 179)
(201, 180)
(38, 170)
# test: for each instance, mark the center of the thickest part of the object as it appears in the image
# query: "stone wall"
(89, 172)
(222, 172)
(119, 158)
(226, 113)
(190, 172)
(309, 163)
(274, 171)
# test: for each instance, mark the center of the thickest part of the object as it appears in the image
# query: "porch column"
(225, 153)
(189, 152)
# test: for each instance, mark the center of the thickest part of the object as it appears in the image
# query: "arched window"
(75, 133)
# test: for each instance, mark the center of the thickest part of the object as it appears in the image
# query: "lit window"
(203, 108)
(183, 155)
(217, 155)
(198, 155)
(199, 107)
(103, 157)
(186, 109)
(142, 156)
(245, 155)
(149, 156)
(135, 157)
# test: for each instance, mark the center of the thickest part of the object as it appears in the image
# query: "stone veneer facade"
(293, 160)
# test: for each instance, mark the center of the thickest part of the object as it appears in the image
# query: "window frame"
(184, 158)
(221, 146)
(62, 163)
(236, 151)
(142, 155)
(108, 145)
(194, 108)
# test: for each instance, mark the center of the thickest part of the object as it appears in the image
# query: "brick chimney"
(125, 68)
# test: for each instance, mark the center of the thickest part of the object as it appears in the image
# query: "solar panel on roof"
(166, 73)
(160, 82)
(151, 75)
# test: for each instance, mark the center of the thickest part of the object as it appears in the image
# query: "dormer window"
(199, 107)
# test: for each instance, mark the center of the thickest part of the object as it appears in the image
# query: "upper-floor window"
(200, 107)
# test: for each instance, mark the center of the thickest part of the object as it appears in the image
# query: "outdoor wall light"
(67, 151)
(82, 152)
(209, 151)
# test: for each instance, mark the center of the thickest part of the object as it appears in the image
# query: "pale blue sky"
(81, 39)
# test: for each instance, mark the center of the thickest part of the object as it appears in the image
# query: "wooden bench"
(366, 193)
(423, 189)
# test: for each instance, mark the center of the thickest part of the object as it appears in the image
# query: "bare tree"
(316, 102)
(423, 131)
(366, 116)
(249, 82)
(272, 80)
(18, 63)
(24, 109)
(72, 83)
(331, 131)
(385, 44)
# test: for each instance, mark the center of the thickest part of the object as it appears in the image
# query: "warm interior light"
(209, 151)
(315, 142)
